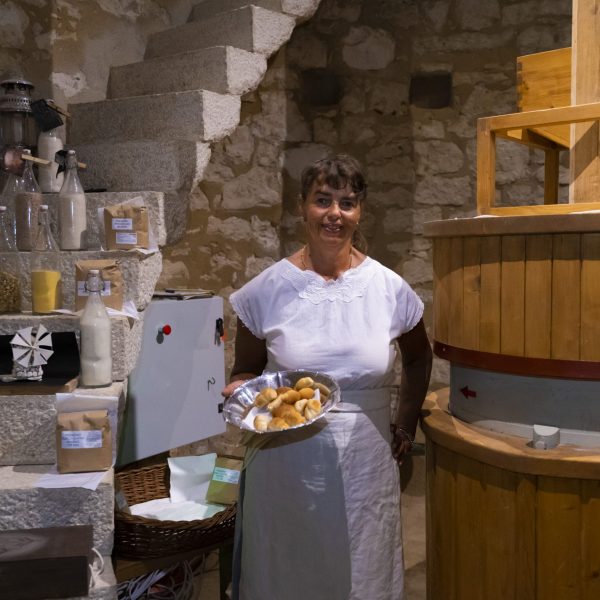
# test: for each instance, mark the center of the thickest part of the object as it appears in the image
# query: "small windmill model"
(31, 350)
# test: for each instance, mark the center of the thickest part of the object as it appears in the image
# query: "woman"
(319, 509)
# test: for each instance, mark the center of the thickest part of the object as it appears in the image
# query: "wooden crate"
(544, 81)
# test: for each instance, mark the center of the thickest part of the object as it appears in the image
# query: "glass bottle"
(46, 279)
(10, 294)
(7, 238)
(94, 325)
(49, 143)
(72, 208)
(27, 204)
(13, 185)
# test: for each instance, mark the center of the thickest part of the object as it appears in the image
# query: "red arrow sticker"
(467, 393)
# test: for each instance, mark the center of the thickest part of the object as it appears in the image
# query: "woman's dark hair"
(337, 172)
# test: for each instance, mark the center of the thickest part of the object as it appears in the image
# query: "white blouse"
(344, 327)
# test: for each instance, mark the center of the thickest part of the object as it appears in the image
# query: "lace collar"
(311, 286)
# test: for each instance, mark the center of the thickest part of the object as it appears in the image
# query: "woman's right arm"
(250, 358)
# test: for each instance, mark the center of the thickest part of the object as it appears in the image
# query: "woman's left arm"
(416, 369)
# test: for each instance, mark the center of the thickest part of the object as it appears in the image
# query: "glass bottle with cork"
(27, 204)
(10, 295)
(49, 143)
(46, 279)
(72, 207)
(95, 341)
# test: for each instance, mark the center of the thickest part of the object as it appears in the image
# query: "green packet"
(225, 481)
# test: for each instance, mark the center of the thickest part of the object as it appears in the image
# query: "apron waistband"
(363, 400)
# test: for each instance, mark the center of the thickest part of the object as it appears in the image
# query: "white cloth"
(319, 511)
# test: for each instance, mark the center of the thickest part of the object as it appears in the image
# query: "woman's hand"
(401, 443)
(232, 386)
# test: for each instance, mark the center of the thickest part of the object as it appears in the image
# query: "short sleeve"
(246, 306)
(408, 311)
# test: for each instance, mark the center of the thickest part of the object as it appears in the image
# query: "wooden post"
(585, 87)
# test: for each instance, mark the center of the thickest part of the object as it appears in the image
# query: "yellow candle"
(46, 291)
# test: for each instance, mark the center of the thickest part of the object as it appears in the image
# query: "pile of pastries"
(288, 406)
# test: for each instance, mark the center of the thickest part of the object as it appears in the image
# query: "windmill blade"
(41, 333)
(21, 353)
(45, 354)
(23, 335)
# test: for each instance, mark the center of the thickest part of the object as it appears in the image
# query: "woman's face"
(331, 215)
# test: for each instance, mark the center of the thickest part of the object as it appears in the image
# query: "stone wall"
(343, 84)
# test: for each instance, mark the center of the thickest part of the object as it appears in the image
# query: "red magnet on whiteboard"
(166, 330)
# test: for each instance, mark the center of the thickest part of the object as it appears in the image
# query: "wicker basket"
(139, 537)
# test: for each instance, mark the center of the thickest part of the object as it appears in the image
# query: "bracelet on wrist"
(395, 429)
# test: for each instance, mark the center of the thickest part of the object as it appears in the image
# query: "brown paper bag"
(112, 296)
(83, 441)
(126, 226)
(225, 482)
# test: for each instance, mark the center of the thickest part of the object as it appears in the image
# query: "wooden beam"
(585, 87)
(486, 167)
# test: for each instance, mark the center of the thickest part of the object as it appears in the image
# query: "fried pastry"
(325, 391)
(306, 393)
(291, 396)
(283, 389)
(276, 424)
(300, 405)
(275, 403)
(304, 382)
(261, 401)
(261, 422)
(269, 393)
(293, 417)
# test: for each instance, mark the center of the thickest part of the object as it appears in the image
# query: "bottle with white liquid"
(72, 208)
(95, 341)
(49, 143)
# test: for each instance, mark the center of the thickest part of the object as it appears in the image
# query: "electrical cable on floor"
(175, 583)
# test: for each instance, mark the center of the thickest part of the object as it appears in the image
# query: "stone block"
(24, 506)
(167, 165)
(140, 273)
(250, 28)
(221, 69)
(197, 115)
(154, 201)
(302, 9)
(28, 425)
(126, 337)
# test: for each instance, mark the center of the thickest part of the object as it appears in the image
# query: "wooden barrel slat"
(441, 298)
(512, 319)
(455, 317)
(538, 295)
(566, 305)
(590, 297)
(590, 540)
(489, 327)
(471, 291)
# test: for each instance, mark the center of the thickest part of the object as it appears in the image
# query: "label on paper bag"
(226, 475)
(224, 484)
(126, 239)
(126, 224)
(81, 439)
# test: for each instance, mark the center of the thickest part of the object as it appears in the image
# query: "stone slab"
(197, 115)
(167, 166)
(24, 506)
(302, 9)
(250, 28)
(140, 273)
(154, 201)
(221, 69)
(126, 337)
(28, 425)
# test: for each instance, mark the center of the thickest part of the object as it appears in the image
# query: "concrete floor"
(413, 535)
